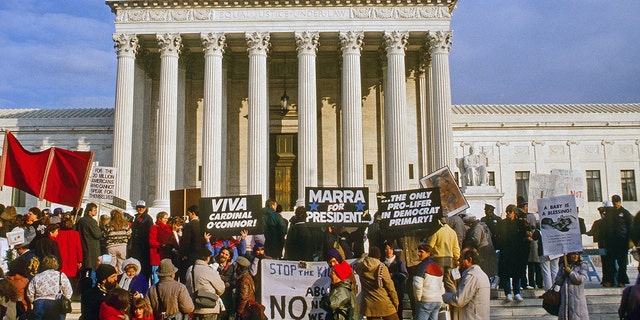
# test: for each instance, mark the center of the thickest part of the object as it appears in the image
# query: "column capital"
(258, 42)
(606, 142)
(502, 143)
(440, 41)
(307, 42)
(424, 59)
(169, 43)
(572, 142)
(351, 41)
(213, 43)
(396, 41)
(537, 143)
(126, 44)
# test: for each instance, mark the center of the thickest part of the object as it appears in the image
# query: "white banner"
(102, 184)
(559, 225)
(293, 289)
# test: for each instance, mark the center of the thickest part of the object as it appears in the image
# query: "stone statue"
(474, 169)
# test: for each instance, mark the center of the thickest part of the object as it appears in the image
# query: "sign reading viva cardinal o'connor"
(347, 207)
(227, 216)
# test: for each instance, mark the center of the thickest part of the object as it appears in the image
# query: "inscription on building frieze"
(195, 15)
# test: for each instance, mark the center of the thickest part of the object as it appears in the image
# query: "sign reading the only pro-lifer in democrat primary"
(227, 216)
(347, 207)
(410, 209)
(559, 225)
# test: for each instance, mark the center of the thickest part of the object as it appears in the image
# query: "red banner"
(55, 174)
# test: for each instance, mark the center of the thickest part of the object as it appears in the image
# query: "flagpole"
(86, 178)
(43, 187)
(3, 164)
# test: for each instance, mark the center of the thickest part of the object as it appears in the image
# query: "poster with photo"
(451, 198)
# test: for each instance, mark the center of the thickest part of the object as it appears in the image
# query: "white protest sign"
(293, 289)
(15, 237)
(559, 225)
(102, 184)
(573, 182)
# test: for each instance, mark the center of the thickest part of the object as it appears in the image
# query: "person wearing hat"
(491, 220)
(168, 295)
(479, 238)
(617, 226)
(245, 288)
(596, 232)
(106, 280)
(139, 243)
(200, 276)
(90, 235)
(340, 303)
(28, 258)
(427, 285)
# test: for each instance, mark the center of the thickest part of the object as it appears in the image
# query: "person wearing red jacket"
(159, 236)
(116, 305)
(70, 249)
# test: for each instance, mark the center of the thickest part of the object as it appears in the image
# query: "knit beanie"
(334, 253)
(343, 270)
(104, 271)
(257, 245)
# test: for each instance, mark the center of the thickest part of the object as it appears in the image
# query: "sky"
(59, 53)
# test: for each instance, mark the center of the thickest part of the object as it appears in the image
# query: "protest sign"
(559, 225)
(347, 207)
(559, 182)
(227, 216)
(102, 184)
(410, 209)
(295, 289)
(572, 182)
(451, 198)
(15, 237)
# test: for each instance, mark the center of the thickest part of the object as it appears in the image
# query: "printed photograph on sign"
(227, 216)
(451, 198)
(347, 207)
(410, 209)
(559, 225)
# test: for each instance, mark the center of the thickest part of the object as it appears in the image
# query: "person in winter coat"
(514, 250)
(572, 275)
(201, 276)
(479, 237)
(132, 280)
(141, 310)
(630, 302)
(70, 249)
(428, 286)
(379, 297)
(275, 229)
(471, 300)
(116, 306)
(397, 270)
(299, 245)
(227, 272)
(168, 295)
(90, 235)
(246, 306)
(341, 302)
(159, 237)
(47, 245)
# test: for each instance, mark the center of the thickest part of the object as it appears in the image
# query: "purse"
(551, 301)
(202, 298)
(62, 302)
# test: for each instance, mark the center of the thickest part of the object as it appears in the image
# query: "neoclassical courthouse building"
(267, 97)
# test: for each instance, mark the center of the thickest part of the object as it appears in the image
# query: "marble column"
(395, 112)
(258, 105)
(126, 46)
(170, 45)
(225, 107)
(352, 149)
(442, 140)
(307, 46)
(214, 46)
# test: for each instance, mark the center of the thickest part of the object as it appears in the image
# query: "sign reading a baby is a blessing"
(347, 207)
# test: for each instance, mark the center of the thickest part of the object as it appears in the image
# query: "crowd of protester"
(125, 266)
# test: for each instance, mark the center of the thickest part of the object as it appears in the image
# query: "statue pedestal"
(477, 196)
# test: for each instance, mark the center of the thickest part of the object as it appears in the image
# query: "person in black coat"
(299, 245)
(513, 240)
(47, 246)
(139, 242)
(397, 270)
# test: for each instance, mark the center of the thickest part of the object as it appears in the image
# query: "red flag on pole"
(55, 174)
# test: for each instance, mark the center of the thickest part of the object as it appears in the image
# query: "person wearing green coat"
(340, 303)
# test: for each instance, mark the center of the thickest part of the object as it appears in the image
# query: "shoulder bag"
(63, 303)
(202, 298)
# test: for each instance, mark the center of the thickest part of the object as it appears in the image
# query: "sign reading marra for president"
(410, 209)
(347, 207)
(227, 216)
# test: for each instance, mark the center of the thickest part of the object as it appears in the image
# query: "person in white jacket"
(471, 300)
(428, 286)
